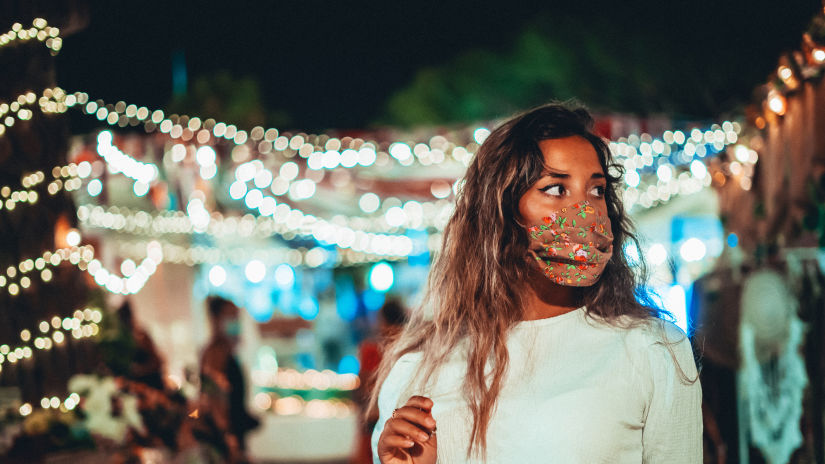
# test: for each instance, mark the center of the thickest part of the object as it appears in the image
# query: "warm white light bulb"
(255, 271)
(73, 237)
(217, 275)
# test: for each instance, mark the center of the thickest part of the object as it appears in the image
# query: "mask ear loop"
(534, 255)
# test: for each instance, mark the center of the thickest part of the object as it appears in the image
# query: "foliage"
(228, 99)
(598, 60)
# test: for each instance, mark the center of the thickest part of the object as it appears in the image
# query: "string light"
(295, 220)
(677, 147)
(82, 257)
(642, 151)
(321, 151)
(84, 323)
(67, 178)
(40, 31)
(295, 405)
(133, 283)
(638, 151)
(670, 180)
(202, 255)
(117, 161)
(777, 102)
(792, 70)
(416, 214)
(254, 197)
(68, 404)
(291, 379)
(311, 380)
(53, 100)
(287, 223)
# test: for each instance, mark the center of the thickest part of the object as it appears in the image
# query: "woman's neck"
(548, 299)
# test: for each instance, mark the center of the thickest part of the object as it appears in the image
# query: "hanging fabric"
(772, 373)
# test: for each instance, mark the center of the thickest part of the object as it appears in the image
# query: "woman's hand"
(409, 435)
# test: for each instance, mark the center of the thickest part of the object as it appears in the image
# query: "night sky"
(333, 64)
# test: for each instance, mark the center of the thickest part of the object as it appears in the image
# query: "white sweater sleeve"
(389, 396)
(673, 426)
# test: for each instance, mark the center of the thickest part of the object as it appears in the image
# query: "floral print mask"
(572, 245)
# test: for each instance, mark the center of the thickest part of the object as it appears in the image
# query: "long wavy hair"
(476, 287)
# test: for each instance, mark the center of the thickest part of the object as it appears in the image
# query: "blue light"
(373, 300)
(733, 240)
(349, 365)
(286, 302)
(305, 360)
(259, 304)
(308, 309)
(346, 301)
(421, 253)
(675, 301)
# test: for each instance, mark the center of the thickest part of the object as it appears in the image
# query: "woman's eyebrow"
(563, 175)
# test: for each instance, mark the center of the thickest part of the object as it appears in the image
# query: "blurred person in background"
(139, 369)
(535, 341)
(223, 418)
(144, 363)
(391, 318)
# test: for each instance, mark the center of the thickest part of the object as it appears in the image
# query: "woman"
(532, 344)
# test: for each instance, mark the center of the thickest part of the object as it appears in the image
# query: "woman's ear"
(518, 219)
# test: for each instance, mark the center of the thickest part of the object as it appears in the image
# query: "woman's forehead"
(570, 153)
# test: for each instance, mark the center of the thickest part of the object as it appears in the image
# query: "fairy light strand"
(40, 31)
(202, 255)
(69, 178)
(19, 277)
(51, 333)
(52, 100)
(287, 226)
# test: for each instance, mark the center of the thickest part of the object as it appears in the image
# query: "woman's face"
(573, 174)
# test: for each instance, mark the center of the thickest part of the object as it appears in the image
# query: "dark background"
(313, 65)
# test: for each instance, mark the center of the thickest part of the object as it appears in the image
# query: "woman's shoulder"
(647, 331)
(664, 347)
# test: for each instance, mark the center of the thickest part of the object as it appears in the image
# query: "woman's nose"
(578, 195)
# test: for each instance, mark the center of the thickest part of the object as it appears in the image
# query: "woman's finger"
(396, 441)
(421, 402)
(407, 429)
(419, 417)
(409, 432)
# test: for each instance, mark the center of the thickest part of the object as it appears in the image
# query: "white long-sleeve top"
(576, 391)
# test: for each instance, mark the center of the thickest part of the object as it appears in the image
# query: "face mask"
(573, 245)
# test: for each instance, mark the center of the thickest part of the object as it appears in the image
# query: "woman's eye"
(554, 189)
(597, 191)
